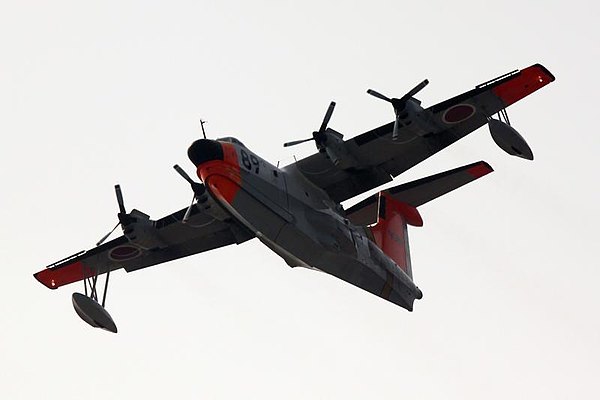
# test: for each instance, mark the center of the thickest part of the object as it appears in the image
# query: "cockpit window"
(231, 140)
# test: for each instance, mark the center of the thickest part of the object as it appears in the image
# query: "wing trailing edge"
(179, 239)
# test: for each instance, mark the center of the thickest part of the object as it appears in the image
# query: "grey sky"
(93, 94)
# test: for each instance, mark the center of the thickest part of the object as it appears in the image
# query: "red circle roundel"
(123, 253)
(458, 113)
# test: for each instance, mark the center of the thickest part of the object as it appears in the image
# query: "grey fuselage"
(299, 222)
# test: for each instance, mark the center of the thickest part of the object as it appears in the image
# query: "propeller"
(318, 136)
(121, 215)
(197, 188)
(120, 199)
(399, 104)
(295, 142)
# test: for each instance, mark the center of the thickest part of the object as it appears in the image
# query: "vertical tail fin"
(391, 233)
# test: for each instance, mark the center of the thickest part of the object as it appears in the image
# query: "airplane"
(296, 210)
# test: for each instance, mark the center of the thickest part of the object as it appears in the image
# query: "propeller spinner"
(318, 136)
(399, 103)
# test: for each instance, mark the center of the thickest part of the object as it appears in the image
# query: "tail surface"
(390, 233)
(419, 192)
(393, 209)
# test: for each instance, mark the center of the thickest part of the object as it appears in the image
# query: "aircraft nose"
(203, 150)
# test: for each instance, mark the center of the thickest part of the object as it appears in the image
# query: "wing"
(155, 242)
(419, 192)
(379, 159)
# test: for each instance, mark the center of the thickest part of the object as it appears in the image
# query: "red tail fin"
(390, 232)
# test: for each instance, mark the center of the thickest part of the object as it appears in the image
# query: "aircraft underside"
(322, 240)
(296, 210)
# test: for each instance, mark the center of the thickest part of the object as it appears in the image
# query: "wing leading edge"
(380, 158)
(177, 239)
(419, 192)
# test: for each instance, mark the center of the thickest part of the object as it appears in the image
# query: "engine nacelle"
(411, 122)
(336, 150)
(509, 140)
(140, 230)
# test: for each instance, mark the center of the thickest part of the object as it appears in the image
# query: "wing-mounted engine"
(331, 143)
(202, 199)
(140, 230)
(137, 227)
(411, 120)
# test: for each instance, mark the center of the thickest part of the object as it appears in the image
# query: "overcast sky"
(93, 94)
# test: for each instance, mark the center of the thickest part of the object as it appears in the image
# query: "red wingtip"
(480, 169)
(526, 82)
(44, 280)
(54, 278)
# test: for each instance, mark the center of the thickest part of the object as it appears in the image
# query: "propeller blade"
(197, 188)
(379, 95)
(120, 199)
(327, 117)
(321, 130)
(108, 234)
(186, 216)
(184, 174)
(395, 131)
(295, 142)
(415, 90)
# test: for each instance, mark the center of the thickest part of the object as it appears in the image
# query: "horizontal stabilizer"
(419, 192)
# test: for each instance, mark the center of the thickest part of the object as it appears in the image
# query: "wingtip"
(480, 169)
(545, 71)
(39, 276)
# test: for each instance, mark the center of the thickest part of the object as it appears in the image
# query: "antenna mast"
(202, 122)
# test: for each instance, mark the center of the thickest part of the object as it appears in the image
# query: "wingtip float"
(296, 210)
(93, 313)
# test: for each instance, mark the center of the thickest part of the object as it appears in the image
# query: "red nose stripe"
(222, 177)
(230, 155)
(223, 187)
